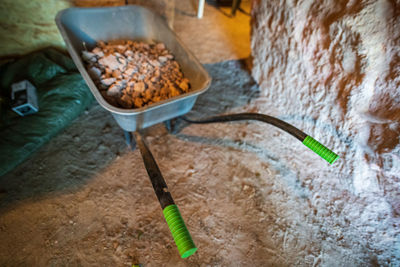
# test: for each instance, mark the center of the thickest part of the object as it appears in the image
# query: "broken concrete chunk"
(108, 82)
(131, 83)
(116, 74)
(128, 53)
(184, 86)
(162, 59)
(123, 63)
(154, 79)
(139, 87)
(147, 95)
(88, 56)
(155, 63)
(160, 46)
(138, 102)
(126, 101)
(114, 90)
(129, 71)
(122, 48)
(133, 74)
(94, 73)
(110, 61)
(98, 52)
(174, 91)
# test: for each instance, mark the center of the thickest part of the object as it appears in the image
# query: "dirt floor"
(248, 192)
(217, 36)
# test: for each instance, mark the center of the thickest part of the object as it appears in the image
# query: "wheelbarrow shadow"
(67, 162)
(232, 87)
(72, 158)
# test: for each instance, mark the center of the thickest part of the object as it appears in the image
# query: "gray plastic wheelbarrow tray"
(81, 28)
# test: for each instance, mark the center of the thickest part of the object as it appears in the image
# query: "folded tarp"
(62, 96)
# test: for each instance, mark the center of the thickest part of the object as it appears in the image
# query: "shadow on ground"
(68, 161)
(94, 140)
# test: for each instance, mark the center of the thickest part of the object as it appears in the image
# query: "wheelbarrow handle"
(307, 140)
(179, 231)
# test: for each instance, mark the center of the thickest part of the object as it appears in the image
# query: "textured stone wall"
(26, 26)
(335, 66)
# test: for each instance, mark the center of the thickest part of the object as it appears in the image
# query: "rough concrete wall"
(332, 68)
(26, 26)
(336, 66)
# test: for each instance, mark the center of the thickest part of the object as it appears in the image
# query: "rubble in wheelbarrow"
(133, 74)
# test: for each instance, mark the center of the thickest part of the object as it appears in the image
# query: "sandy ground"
(248, 192)
(215, 37)
(85, 198)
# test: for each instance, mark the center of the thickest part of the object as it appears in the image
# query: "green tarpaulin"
(62, 96)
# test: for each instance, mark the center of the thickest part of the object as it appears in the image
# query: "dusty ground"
(85, 199)
(216, 37)
(248, 192)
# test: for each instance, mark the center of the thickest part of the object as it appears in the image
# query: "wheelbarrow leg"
(130, 140)
(175, 125)
(168, 125)
(172, 125)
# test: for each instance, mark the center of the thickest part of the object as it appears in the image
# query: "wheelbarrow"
(81, 28)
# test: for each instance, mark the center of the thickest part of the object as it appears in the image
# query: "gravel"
(131, 74)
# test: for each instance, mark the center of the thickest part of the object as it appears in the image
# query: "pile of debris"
(131, 74)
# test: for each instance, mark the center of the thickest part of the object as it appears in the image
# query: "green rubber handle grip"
(180, 233)
(320, 149)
